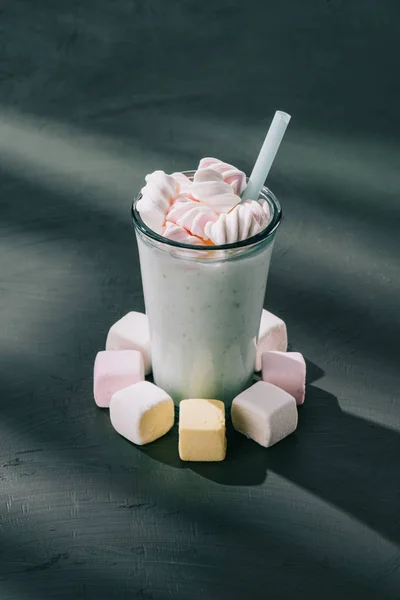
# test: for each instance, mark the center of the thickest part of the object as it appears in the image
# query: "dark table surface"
(94, 95)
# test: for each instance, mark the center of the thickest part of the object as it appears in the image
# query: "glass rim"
(255, 239)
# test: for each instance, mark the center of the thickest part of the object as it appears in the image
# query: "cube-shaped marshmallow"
(131, 333)
(142, 412)
(202, 430)
(271, 336)
(286, 370)
(264, 413)
(114, 371)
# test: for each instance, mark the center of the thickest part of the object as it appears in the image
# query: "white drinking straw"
(267, 154)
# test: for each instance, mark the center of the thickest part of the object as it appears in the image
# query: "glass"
(204, 307)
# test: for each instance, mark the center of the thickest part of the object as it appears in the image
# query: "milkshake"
(204, 258)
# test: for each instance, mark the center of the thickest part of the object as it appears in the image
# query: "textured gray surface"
(95, 94)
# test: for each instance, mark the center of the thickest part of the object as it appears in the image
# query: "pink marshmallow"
(272, 336)
(191, 215)
(179, 234)
(264, 413)
(207, 175)
(184, 183)
(286, 370)
(231, 175)
(113, 371)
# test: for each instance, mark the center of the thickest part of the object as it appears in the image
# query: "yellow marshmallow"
(202, 430)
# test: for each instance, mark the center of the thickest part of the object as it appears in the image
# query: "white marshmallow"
(271, 336)
(131, 333)
(264, 413)
(142, 412)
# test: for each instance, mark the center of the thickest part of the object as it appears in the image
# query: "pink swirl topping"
(157, 196)
(207, 210)
(184, 183)
(179, 234)
(191, 215)
(210, 188)
(244, 221)
(230, 174)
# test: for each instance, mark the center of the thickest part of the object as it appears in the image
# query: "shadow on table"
(246, 461)
(343, 459)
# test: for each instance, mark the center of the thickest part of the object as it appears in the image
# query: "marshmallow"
(216, 194)
(184, 182)
(272, 335)
(210, 189)
(179, 234)
(157, 195)
(264, 413)
(202, 430)
(191, 215)
(142, 412)
(243, 221)
(221, 203)
(231, 175)
(260, 210)
(131, 333)
(114, 371)
(286, 370)
(207, 174)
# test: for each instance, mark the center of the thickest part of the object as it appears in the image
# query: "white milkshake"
(204, 307)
